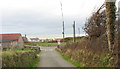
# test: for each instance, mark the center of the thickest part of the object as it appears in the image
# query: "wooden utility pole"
(74, 32)
(63, 31)
(79, 31)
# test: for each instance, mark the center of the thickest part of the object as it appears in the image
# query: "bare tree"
(96, 24)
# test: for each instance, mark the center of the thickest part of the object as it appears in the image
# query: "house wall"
(20, 42)
(0, 47)
(14, 44)
(6, 44)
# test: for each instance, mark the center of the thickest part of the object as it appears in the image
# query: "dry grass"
(89, 52)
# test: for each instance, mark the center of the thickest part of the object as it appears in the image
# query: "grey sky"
(42, 17)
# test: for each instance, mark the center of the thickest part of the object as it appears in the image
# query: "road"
(49, 57)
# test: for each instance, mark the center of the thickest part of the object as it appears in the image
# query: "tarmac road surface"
(49, 57)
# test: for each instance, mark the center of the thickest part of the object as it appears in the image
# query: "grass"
(25, 54)
(76, 64)
(47, 44)
(105, 60)
(44, 44)
(11, 51)
(20, 49)
(39, 52)
(34, 63)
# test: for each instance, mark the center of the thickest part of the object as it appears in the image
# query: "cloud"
(44, 16)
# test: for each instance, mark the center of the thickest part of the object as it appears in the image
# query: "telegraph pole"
(79, 31)
(74, 31)
(63, 32)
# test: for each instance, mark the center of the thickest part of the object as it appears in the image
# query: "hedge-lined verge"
(19, 58)
(75, 63)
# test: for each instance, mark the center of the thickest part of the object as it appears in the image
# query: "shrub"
(88, 52)
(18, 58)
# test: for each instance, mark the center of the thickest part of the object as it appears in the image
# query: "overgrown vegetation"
(20, 58)
(96, 25)
(75, 63)
(89, 53)
(94, 49)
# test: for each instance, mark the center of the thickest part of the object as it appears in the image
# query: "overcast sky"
(43, 17)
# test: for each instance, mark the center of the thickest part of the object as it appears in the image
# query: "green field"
(44, 44)
(48, 44)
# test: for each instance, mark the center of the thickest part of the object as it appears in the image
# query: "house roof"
(9, 37)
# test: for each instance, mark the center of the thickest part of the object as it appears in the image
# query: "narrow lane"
(51, 58)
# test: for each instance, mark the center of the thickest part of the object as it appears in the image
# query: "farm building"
(25, 39)
(11, 41)
(34, 39)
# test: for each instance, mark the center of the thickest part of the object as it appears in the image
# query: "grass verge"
(34, 62)
(76, 64)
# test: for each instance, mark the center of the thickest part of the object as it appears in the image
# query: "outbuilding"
(11, 41)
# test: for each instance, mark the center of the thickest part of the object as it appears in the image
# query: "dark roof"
(9, 37)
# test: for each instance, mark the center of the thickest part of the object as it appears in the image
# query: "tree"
(96, 25)
(110, 21)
